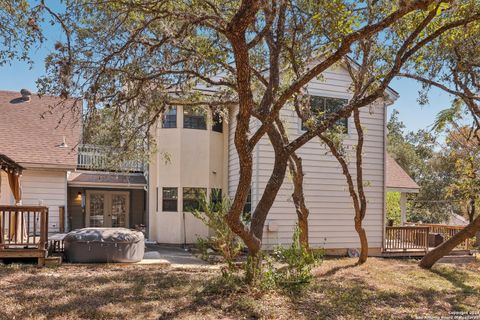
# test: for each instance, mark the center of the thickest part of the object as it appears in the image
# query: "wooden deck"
(24, 232)
(417, 240)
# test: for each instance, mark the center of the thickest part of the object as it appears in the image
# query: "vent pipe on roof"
(26, 94)
(64, 143)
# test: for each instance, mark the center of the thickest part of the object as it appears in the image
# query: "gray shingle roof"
(397, 178)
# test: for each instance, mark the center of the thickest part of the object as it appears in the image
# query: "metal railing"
(98, 158)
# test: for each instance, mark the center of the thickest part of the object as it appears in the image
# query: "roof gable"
(397, 179)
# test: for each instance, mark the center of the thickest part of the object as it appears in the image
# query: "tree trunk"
(445, 248)
(363, 240)
(296, 170)
(273, 185)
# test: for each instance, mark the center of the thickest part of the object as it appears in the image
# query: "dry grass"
(380, 289)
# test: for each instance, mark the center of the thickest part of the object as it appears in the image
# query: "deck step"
(458, 259)
(53, 261)
(460, 253)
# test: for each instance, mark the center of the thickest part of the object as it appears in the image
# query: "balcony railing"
(97, 158)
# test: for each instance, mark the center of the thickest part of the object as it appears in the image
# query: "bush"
(224, 240)
(290, 268)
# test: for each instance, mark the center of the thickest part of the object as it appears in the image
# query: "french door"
(107, 208)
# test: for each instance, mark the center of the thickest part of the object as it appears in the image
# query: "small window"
(194, 118)
(157, 200)
(191, 198)
(217, 125)
(170, 199)
(326, 106)
(216, 197)
(170, 118)
(247, 209)
(248, 204)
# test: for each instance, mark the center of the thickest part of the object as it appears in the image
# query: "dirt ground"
(380, 289)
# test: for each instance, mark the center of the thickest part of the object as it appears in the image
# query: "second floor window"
(170, 118)
(170, 199)
(191, 198)
(320, 107)
(217, 124)
(194, 118)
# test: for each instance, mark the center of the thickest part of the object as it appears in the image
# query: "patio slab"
(175, 255)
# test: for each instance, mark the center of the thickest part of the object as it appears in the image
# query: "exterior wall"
(47, 186)
(196, 158)
(76, 214)
(331, 223)
(76, 217)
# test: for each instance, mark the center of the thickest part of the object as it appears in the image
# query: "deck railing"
(23, 227)
(447, 232)
(406, 238)
(416, 237)
(91, 157)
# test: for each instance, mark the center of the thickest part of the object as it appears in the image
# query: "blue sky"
(19, 75)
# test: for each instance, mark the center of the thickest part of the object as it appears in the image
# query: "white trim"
(51, 166)
(405, 190)
(384, 195)
(106, 185)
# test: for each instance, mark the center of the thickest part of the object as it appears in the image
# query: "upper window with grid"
(170, 118)
(320, 107)
(194, 118)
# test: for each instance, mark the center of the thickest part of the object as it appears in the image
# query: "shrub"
(290, 268)
(224, 240)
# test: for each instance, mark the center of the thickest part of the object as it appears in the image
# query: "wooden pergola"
(23, 229)
(10, 166)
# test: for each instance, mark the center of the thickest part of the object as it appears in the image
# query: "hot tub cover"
(105, 235)
(104, 245)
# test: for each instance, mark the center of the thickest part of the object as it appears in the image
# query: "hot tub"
(102, 245)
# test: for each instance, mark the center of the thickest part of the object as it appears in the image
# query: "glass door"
(107, 209)
(119, 209)
(95, 209)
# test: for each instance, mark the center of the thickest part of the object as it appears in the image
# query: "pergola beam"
(9, 166)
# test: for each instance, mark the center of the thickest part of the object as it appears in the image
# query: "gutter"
(60, 167)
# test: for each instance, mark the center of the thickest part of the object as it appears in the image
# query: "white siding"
(233, 161)
(331, 211)
(49, 187)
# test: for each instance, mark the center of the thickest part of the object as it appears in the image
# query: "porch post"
(403, 207)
